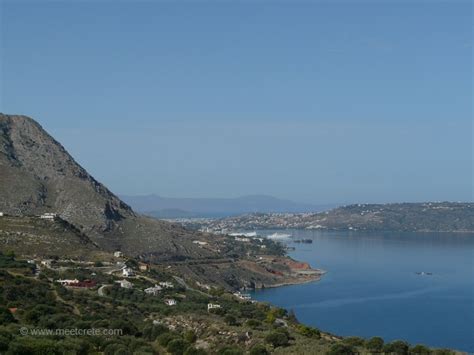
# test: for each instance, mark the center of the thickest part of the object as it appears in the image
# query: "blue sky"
(324, 102)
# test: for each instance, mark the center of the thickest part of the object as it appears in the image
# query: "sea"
(417, 287)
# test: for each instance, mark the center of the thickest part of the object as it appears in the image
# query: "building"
(242, 296)
(171, 302)
(153, 290)
(166, 284)
(127, 272)
(125, 283)
(118, 254)
(67, 282)
(49, 216)
(213, 306)
(198, 242)
(1, 214)
(47, 263)
(82, 284)
(144, 267)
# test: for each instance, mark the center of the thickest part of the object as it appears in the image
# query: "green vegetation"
(147, 325)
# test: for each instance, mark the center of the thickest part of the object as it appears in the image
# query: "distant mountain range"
(165, 207)
(395, 217)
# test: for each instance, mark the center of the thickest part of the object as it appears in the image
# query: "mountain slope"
(37, 175)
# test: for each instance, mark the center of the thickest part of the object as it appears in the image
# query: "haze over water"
(371, 287)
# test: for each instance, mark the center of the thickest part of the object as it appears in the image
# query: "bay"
(373, 287)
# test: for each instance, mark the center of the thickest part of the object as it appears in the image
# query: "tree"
(340, 349)
(230, 350)
(397, 347)
(354, 341)
(177, 346)
(420, 349)
(375, 344)
(190, 336)
(277, 339)
(309, 332)
(193, 351)
(6, 316)
(165, 338)
(230, 319)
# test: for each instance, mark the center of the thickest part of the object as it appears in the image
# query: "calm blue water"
(371, 286)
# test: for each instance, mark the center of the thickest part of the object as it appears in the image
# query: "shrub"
(190, 336)
(396, 347)
(375, 344)
(177, 346)
(354, 341)
(27, 345)
(253, 323)
(193, 351)
(309, 332)
(259, 349)
(230, 319)
(230, 350)
(165, 338)
(420, 349)
(340, 349)
(277, 339)
(6, 316)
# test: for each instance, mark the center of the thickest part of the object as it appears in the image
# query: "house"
(170, 302)
(49, 216)
(1, 214)
(242, 296)
(118, 254)
(166, 284)
(127, 272)
(245, 240)
(83, 284)
(67, 282)
(198, 242)
(153, 290)
(125, 283)
(212, 306)
(47, 263)
(144, 267)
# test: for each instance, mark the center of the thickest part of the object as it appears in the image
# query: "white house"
(166, 284)
(125, 283)
(198, 242)
(1, 214)
(67, 282)
(242, 296)
(47, 263)
(153, 290)
(127, 272)
(49, 216)
(212, 306)
(118, 254)
(170, 302)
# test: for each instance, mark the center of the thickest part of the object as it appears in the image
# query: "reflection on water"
(374, 286)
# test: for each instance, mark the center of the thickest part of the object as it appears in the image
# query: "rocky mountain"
(38, 175)
(166, 207)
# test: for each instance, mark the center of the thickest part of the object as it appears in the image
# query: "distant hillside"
(165, 207)
(439, 217)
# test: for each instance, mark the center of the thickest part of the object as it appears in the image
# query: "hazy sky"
(325, 102)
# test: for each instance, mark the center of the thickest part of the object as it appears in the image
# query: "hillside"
(39, 315)
(38, 176)
(406, 217)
